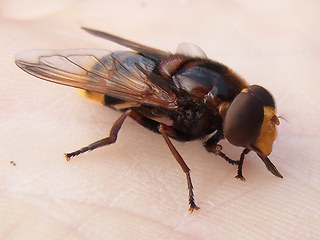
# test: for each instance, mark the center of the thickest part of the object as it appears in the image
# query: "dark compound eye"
(244, 119)
(262, 94)
(245, 115)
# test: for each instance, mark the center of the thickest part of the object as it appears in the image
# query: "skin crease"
(135, 187)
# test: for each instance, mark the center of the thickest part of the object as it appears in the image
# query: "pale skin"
(134, 189)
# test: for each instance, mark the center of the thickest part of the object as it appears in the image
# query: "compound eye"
(262, 94)
(243, 120)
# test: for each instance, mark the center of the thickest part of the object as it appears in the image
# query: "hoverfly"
(180, 96)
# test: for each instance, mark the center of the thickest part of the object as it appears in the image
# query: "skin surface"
(134, 189)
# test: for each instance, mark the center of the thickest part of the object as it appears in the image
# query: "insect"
(181, 96)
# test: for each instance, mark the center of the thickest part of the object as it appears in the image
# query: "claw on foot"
(193, 207)
(66, 155)
(242, 178)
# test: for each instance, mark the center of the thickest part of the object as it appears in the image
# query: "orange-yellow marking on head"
(268, 131)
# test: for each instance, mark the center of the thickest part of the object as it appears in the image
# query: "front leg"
(243, 154)
(212, 146)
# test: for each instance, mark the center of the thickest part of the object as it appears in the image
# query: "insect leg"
(243, 154)
(164, 130)
(212, 146)
(103, 142)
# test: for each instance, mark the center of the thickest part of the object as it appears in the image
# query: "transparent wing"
(145, 50)
(187, 49)
(121, 74)
(190, 50)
